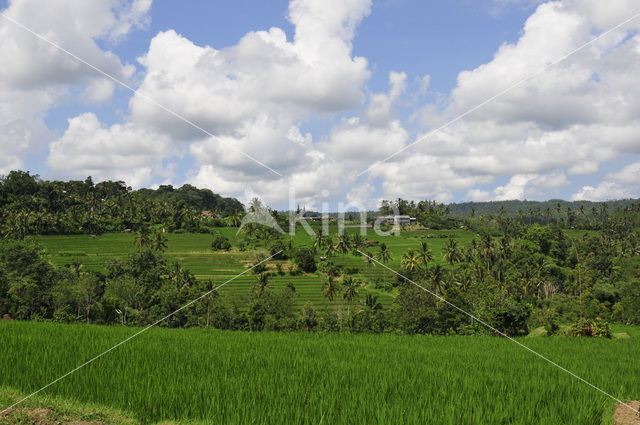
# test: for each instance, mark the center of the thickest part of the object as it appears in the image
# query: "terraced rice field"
(194, 252)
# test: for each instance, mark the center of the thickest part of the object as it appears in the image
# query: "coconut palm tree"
(486, 244)
(331, 248)
(411, 260)
(505, 247)
(143, 237)
(343, 244)
(235, 219)
(330, 289)
(452, 254)
(159, 242)
(357, 241)
(320, 241)
(384, 256)
(350, 291)
(437, 279)
(372, 302)
(262, 281)
(425, 254)
(368, 257)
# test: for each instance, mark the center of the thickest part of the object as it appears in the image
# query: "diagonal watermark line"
(499, 94)
(499, 332)
(138, 93)
(136, 334)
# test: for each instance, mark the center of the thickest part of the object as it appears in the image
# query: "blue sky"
(358, 93)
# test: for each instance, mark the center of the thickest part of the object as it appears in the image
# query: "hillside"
(553, 206)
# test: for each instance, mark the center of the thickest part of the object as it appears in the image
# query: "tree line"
(30, 206)
(511, 275)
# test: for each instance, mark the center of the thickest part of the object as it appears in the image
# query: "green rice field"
(220, 377)
(194, 252)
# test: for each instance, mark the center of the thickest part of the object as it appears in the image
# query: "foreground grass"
(43, 410)
(271, 378)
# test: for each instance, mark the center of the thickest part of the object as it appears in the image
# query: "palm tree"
(331, 248)
(452, 254)
(235, 220)
(142, 237)
(437, 279)
(372, 302)
(368, 257)
(501, 213)
(263, 282)
(505, 247)
(320, 241)
(411, 260)
(357, 241)
(343, 245)
(350, 291)
(159, 242)
(487, 249)
(384, 256)
(330, 289)
(76, 265)
(425, 254)
(581, 211)
(548, 213)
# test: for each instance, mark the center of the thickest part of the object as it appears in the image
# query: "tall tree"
(330, 289)
(425, 254)
(262, 281)
(143, 237)
(350, 291)
(411, 260)
(452, 255)
(384, 256)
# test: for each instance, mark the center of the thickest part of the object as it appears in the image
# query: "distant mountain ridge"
(513, 207)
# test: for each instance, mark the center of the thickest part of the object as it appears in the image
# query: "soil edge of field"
(625, 416)
(47, 410)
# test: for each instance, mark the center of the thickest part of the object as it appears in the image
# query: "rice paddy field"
(194, 252)
(219, 377)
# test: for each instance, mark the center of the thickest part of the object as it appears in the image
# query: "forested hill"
(30, 205)
(515, 208)
(201, 199)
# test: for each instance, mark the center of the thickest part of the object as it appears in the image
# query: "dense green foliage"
(574, 214)
(29, 205)
(302, 378)
(538, 210)
(200, 199)
(514, 272)
(540, 277)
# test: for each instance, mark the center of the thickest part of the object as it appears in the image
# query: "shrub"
(278, 250)
(511, 319)
(590, 328)
(220, 243)
(551, 327)
(305, 260)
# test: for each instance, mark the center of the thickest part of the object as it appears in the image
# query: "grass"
(46, 410)
(193, 251)
(295, 378)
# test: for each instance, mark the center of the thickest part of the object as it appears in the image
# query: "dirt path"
(625, 416)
